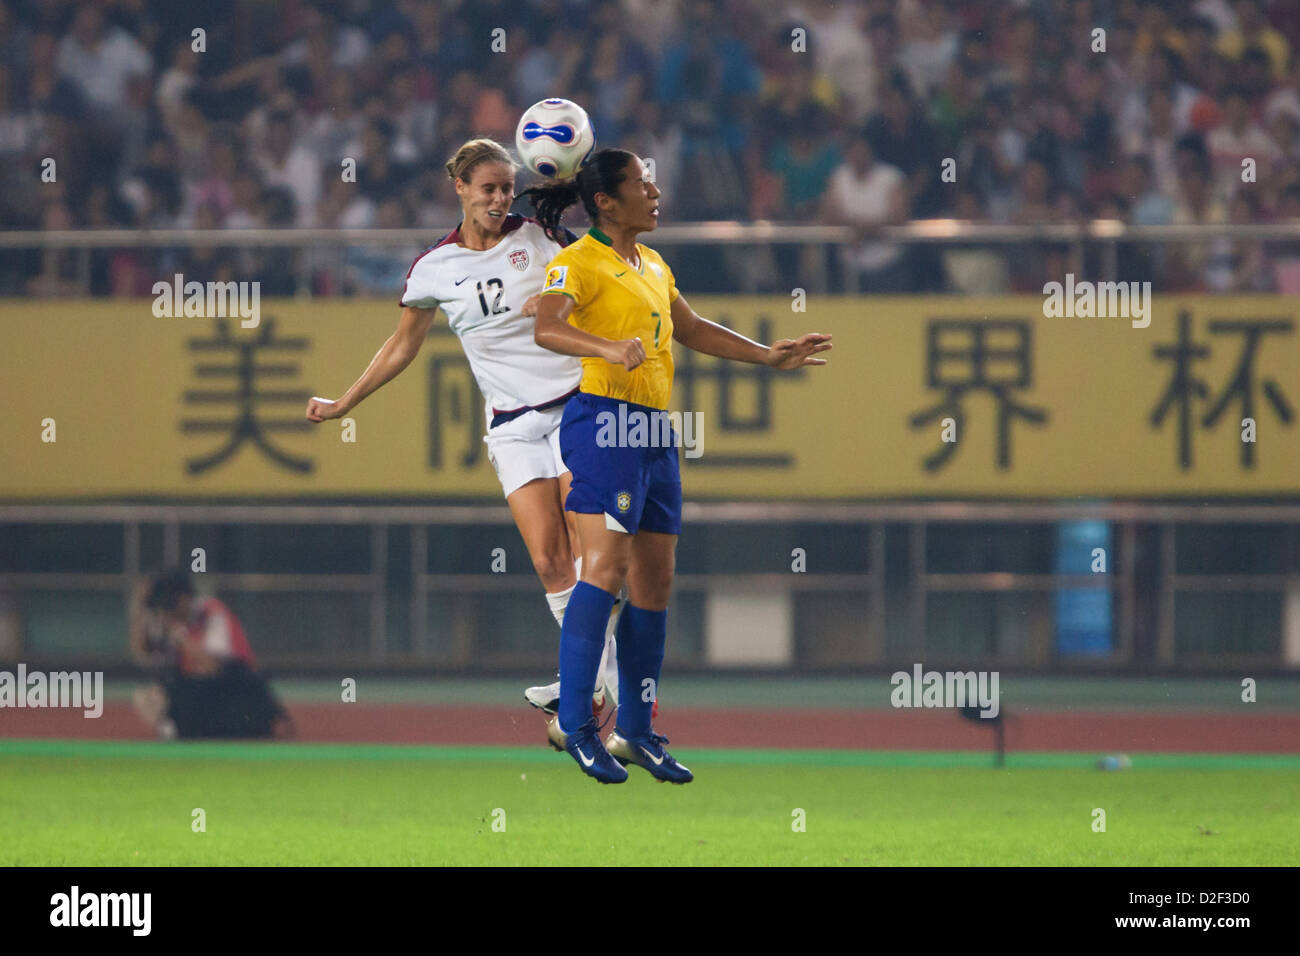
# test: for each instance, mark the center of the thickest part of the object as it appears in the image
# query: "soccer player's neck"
(623, 239)
(473, 236)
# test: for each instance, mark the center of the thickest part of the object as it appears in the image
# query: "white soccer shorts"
(526, 449)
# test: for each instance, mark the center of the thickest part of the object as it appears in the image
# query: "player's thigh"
(538, 512)
(606, 554)
(650, 575)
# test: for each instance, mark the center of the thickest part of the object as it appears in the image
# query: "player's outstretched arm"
(395, 354)
(710, 338)
(552, 331)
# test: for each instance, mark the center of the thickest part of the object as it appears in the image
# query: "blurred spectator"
(903, 137)
(929, 33)
(176, 82)
(546, 68)
(617, 77)
(989, 160)
(803, 161)
(414, 120)
(1148, 206)
(841, 48)
(1248, 268)
(651, 135)
(335, 131)
(1253, 30)
(101, 59)
(866, 195)
(19, 128)
(1203, 264)
(1236, 139)
(1155, 137)
(383, 177)
(294, 168)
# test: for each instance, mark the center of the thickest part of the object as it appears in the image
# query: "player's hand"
(530, 305)
(627, 352)
(796, 353)
(320, 409)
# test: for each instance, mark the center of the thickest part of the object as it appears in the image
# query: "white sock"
(609, 658)
(559, 601)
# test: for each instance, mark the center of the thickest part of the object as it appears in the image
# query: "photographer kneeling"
(209, 685)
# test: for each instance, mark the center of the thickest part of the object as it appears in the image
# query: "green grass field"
(64, 803)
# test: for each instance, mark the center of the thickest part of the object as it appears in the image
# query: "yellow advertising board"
(922, 396)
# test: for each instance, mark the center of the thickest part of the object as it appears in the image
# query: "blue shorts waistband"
(609, 401)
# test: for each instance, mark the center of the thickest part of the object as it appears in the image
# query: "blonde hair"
(461, 165)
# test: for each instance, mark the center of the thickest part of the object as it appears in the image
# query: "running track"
(1111, 731)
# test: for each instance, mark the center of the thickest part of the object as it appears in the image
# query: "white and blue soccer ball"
(554, 138)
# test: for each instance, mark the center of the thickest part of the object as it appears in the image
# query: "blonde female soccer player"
(485, 275)
(613, 303)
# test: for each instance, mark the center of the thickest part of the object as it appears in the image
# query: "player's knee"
(555, 570)
(607, 572)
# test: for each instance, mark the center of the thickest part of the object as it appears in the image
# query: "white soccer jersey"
(481, 292)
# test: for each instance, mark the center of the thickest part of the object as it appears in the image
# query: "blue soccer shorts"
(624, 461)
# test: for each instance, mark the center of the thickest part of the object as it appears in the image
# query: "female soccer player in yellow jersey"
(613, 302)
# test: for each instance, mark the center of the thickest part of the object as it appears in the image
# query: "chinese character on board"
(1185, 389)
(732, 415)
(241, 384)
(972, 355)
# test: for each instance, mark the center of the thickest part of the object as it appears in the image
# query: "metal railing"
(1106, 235)
(919, 517)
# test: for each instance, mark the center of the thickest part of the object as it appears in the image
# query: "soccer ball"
(554, 138)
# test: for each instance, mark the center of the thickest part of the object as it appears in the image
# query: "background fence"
(940, 255)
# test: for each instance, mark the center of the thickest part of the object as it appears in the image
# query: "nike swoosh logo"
(617, 274)
(653, 759)
(462, 280)
(585, 762)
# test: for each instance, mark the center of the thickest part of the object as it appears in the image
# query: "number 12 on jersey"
(500, 288)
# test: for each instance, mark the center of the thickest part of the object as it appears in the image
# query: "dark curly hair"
(603, 172)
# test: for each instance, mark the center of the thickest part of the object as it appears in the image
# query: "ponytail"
(549, 201)
(603, 172)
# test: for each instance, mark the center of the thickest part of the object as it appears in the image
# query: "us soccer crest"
(519, 259)
(624, 501)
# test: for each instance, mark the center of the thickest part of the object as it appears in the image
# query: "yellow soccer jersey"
(615, 301)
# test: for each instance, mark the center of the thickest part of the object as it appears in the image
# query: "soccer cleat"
(648, 753)
(547, 698)
(584, 746)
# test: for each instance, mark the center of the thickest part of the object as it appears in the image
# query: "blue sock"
(641, 635)
(582, 639)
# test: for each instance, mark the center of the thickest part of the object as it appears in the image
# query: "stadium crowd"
(848, 122)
